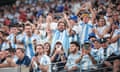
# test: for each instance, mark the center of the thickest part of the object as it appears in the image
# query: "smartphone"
(86, 46)
(36, 54)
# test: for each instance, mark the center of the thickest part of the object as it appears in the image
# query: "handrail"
(96, 65)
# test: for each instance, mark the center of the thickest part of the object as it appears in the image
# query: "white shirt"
(71, 60)
(100, 30)
(86, 63)
(116, 45)
(45, 60)
(94, 53)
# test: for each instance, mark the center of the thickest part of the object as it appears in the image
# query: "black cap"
(103, 40)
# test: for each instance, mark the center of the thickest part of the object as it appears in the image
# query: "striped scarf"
(86, 30)
(63, 37)
(29, 47)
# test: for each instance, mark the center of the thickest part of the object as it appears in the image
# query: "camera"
(36, 54)
(86, 46)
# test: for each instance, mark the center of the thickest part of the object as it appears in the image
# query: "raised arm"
(92, 13)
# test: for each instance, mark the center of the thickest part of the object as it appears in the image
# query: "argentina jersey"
(45, 61)
(29, 44)
(85, 31)
(11, 38)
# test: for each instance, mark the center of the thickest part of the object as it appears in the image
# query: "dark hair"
(56, 48)
(27, 25)
(21, 25)
(39, 45)
(11, 50)
(75, 43)
(11, 26)
(21, 49)
(62, 22)
(49, 47)
(103, 19)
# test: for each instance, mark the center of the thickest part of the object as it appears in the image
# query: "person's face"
(72, 22)
(40, 18)
(28, 29)
(114, 26)
(14, 30)
(39, 49)
(110, 19)
(61, 26)
(73, 48)
(96, 44)
(2, 55)
(101, 22)
(115, 15)
(7, 53)
(19, 53)
(104, 45)
(1, 35)
(20, 28)
(58, 45)
(109, 10)
(109, 15)
(85, 19)
(46, 47)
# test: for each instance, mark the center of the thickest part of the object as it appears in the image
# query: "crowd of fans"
(57, 35)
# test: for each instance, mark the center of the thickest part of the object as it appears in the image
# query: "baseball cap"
(103, 40)
(91, 35)
(73, 17)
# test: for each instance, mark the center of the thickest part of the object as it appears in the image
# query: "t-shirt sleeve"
(115, 33)
(20, 38)
(27, 61)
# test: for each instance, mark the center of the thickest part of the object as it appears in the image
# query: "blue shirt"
(25, 61)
